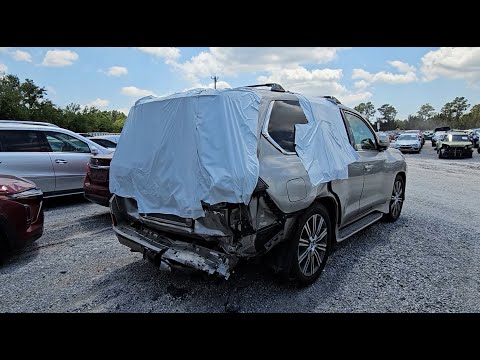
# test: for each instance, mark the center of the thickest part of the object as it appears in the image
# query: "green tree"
(388, 114)
(426, 112)
(366, 109)
(452, 112)
(11, 106)
(472, 119)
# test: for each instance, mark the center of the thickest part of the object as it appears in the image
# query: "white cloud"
(220, 85)
(361, 84)
(452, 63)
(402, 66)
(20, 55)
(3, 49)
(234, 61)
(59, 58)
(352, 99)
(316, 82)
(169, 54)
(136, 92)
(116, 71)
(3, 68)
(124, 110)
(51, 90)
(366, 78)
(281, 65)
(98, 103)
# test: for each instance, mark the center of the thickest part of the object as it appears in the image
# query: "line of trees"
(453, 114)
(27, 101)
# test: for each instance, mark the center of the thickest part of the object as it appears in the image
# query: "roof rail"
(41, 123)
(332, 98)
(272, 86)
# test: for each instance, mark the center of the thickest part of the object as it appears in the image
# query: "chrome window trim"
(267, 135)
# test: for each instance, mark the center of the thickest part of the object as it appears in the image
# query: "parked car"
(427, 134)
(21, 213)
(107, 141)
(383, 136)
(96, 183)
(455, 144)
(437, 132)
(53, 158)
(408, 142)
(438, 143)
(419, 134)
(474, 137)
(286, 215)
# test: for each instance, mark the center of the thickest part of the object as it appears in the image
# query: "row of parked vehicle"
(287, 215)
(38, 160)
(447, 142)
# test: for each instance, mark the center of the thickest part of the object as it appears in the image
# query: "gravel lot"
(428, 261)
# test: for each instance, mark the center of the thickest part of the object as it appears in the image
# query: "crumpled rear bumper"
(168, 253)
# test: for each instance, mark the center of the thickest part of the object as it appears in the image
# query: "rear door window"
(60, 142)
(23, 141)
(281, 125)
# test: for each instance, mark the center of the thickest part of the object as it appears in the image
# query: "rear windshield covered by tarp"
(201, 145)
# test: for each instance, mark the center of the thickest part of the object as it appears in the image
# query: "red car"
(21, 213)
(95, 186)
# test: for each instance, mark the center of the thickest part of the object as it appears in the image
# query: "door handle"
(368, 167)
(60, 161)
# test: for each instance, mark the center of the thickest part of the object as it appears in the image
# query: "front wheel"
(396, 200)
(310, 245)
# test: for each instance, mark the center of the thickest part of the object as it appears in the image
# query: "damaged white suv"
(206, 177)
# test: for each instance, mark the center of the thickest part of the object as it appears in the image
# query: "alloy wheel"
(312, 245)
(397, 198)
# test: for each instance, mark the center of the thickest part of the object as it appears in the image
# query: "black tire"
(478, 150)
(433, 144)
(4, 248)
(396, 200)
(305, 271)
(469, 156)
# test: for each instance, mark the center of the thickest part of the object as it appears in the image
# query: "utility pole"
(215, 79)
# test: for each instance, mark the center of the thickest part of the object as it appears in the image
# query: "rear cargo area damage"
(213, 243)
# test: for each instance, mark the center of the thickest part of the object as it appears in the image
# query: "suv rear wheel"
(310, 245)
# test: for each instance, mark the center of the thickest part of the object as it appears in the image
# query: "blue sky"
(113, 78)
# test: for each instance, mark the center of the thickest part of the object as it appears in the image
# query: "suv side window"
(281, 125)
(60, 142)
(22, 141)
(364, 138)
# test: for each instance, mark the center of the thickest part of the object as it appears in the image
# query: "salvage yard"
(428, 261)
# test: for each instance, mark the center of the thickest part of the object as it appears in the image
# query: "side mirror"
(94, 150)
(383, 143)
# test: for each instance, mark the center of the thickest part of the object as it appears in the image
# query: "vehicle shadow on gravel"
(19, 258)
(63, 201)
(141, 287)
